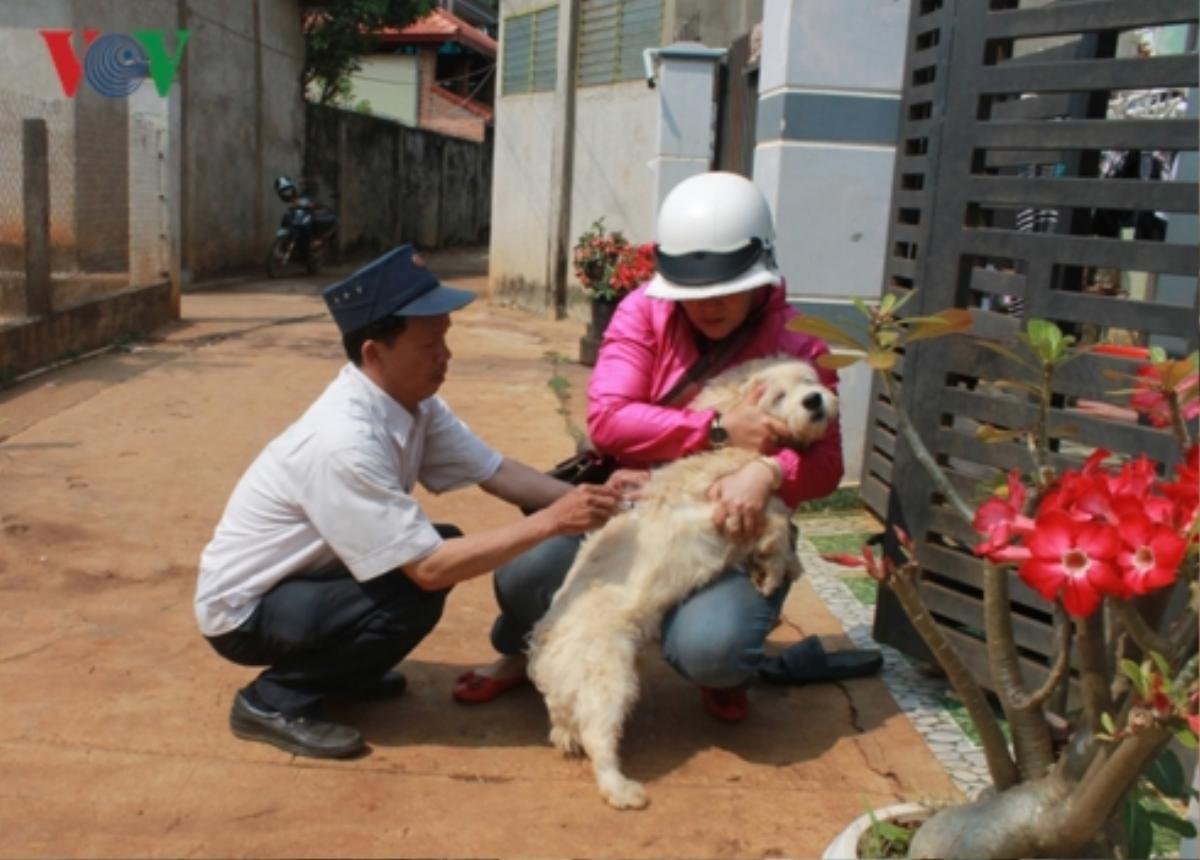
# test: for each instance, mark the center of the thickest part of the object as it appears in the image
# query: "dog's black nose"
(814, 402)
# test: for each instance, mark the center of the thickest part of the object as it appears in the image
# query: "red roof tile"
(437, 27)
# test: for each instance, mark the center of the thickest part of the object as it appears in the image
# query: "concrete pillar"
(36, 189)
(685, 79)
(830, 83)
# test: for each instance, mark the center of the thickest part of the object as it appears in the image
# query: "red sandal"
(472, 688)
(729, 705)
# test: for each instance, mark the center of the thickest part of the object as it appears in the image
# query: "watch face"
(717, 434)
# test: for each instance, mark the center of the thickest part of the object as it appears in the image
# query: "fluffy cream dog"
(646, 560)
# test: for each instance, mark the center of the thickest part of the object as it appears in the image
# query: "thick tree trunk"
(1020, 822)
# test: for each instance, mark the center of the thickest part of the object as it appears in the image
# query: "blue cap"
(396, 284)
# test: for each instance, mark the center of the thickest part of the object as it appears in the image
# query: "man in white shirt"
(324, 568)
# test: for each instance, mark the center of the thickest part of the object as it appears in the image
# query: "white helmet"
(714, 238)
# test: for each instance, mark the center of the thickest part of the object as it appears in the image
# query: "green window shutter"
(518, 54)
(545, 49)
(612, 36)
(641, 28)
(530, 46)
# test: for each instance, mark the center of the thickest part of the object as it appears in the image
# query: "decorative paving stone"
(918, 696)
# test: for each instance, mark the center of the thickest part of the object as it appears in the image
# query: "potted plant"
(1093, 541)
(608, 267)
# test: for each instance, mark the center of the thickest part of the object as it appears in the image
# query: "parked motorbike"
(305, 233)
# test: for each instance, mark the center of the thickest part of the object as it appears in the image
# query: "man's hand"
(741, 497)
(583, 509)
(751, 428)
(628, 483)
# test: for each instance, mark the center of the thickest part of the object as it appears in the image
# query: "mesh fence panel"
(107, 194)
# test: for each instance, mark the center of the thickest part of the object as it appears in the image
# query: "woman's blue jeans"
(714, 637)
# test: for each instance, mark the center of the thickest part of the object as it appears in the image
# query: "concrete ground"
(113, 709)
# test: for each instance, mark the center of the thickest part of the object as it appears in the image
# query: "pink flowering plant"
(1112, 547)
(607, 265)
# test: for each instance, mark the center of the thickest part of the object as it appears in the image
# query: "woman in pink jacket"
(718, 300)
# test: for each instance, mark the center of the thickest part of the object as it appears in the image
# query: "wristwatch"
(718, 436)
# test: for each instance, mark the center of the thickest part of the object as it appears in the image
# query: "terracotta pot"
(845, 845)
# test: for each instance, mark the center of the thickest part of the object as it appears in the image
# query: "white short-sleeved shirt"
(336, 485)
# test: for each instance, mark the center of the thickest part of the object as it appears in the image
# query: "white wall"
(389, 83)
(614, 144)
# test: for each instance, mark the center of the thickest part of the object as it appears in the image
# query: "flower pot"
(845, 845)
(589, 344)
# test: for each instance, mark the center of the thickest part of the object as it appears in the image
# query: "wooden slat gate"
(1003, 202)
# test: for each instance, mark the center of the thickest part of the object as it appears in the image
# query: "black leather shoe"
(392, 684)
(307, 736)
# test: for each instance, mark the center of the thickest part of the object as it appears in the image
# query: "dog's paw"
(565, 742)
(624, 794)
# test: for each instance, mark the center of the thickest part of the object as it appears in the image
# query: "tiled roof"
(437, 27)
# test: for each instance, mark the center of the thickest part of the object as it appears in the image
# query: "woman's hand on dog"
(751, 428)
(740, 499)
(583, 509)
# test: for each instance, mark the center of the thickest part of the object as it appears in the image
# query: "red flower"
(635, 266)
(1072, 560)
(1000, 520)
(1185, 492)
(1150, 554)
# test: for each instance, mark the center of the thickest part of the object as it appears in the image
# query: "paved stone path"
(920, 697)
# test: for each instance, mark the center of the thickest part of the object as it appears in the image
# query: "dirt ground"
(113, 709)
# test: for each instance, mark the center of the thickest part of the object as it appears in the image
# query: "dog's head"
(793, 393)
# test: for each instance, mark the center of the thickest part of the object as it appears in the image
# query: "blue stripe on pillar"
(828, 118)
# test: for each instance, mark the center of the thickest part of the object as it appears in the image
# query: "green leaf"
(1006, 352)
(1046, 339)
(1106, 721)
(887, 304)
(904, 299)
(1175, 823)
(1166, 774)
(829, 332)
(1186, 737)
(1137, 826)
(880, 360)
(1133, 672)
(1160, 662)
(988, 433)
(1026, 387)
(838, 360)
(949, 321)
(1157, 355)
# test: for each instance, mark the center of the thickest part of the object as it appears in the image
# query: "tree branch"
(1182, 638)
(995, 747)
(1137, 628)
(924, 457)
(1030, 733)
(1093, 676)
(1096, 796)
(1062, 660)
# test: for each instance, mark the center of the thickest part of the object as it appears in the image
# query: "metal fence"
(105, 191)
(1046, 167)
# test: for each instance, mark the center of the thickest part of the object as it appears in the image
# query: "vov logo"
(115, 64)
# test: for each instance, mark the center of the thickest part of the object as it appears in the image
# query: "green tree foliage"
(339, 32)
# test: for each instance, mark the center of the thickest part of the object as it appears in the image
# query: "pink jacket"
(647, 347)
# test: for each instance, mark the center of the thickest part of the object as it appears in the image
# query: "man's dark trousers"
(329, 634)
